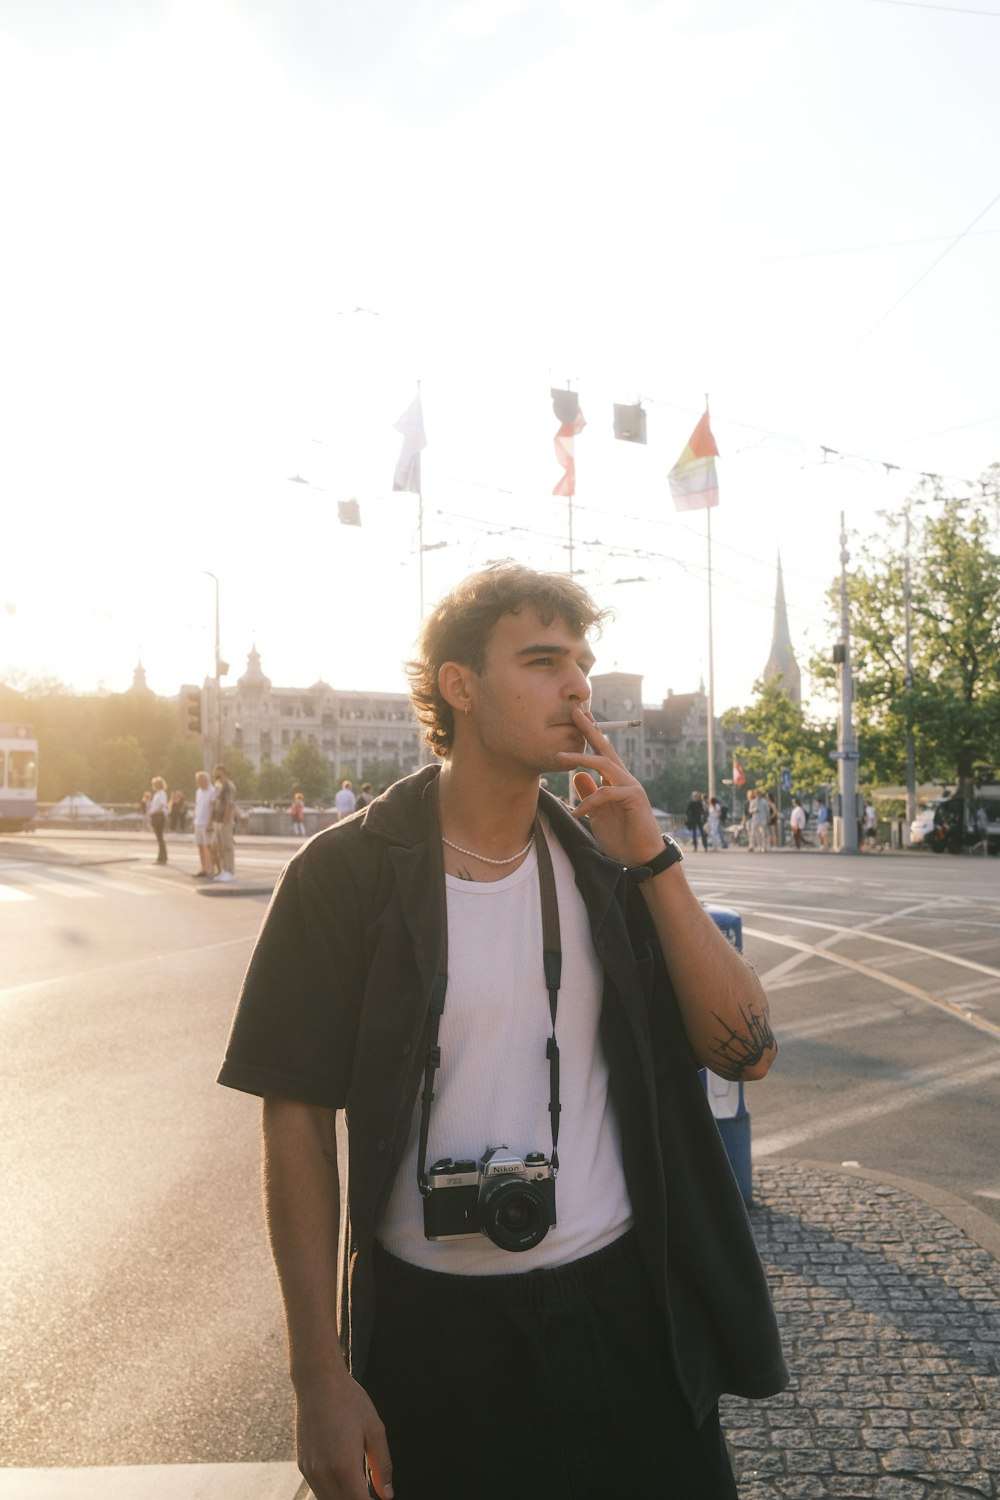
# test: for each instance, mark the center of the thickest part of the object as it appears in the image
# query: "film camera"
(510, 1200)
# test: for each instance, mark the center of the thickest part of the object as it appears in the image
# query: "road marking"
(949, 958)
(57, 887)
(103, 883)
(907, 1090)
(12, 893)
(841, 1020)
(890, 979)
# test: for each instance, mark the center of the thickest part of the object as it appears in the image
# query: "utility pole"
(221, 668)
(911, 773)
(845, 828)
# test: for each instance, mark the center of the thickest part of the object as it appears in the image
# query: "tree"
(241, 773)
(954, 703)
(780, 737)
(671, 788)
(308, 771)
(273, 782)
(122, 772)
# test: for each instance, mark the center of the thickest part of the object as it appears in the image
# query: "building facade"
(356, 732)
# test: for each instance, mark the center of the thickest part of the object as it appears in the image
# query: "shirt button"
(382, 1145)
(406, 1049)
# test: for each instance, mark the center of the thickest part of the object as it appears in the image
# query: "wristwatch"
(671, 855)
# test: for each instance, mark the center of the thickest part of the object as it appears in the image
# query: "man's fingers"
(379, 1462)
(584, 784)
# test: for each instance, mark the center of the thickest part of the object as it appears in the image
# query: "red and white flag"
(411, 425)
(739, 775)
(572, 423)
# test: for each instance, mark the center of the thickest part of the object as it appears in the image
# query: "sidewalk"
(888, 1295)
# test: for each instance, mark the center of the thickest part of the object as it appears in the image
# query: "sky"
(239, 235)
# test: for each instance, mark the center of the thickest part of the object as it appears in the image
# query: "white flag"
(411, 425)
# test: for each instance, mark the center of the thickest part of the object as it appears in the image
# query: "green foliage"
(122, 772)
(241, 773)
(780, 736)
(954, 705)
(307, 771)
(273, 782)
(670, 790)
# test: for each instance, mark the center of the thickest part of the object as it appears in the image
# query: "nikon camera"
(510, 1200)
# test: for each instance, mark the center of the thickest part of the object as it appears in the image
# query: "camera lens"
(514, 1214)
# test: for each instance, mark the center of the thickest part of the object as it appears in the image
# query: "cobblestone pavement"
(890, 1314)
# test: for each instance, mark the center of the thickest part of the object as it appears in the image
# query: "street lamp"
(221, 668)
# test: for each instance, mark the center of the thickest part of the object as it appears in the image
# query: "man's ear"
(455, 683)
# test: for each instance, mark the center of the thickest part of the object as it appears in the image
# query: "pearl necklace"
(485, 857)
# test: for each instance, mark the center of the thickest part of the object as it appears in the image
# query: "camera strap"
(552, 966)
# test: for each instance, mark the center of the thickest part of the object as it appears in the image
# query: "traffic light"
(192, 709)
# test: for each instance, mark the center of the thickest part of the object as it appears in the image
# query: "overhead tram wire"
(900, 300)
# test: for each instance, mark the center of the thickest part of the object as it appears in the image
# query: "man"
(823, 825)
(797, 822)
(694, 819)
(556, 988)
(204, 830)
(345, 801)
(225, 823)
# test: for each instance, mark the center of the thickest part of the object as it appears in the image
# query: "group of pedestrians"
(214, 823)
(705, 817)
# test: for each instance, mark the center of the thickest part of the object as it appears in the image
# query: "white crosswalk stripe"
(33, 882)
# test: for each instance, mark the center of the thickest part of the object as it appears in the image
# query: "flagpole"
(420, 529)
(711, 652)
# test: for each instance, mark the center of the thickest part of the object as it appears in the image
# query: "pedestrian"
(772, 823)
(177, 817)
(224, 820)
(415, 936)
(298, 814)
(345, 801)
(870, 826)
(158, 817)
(716, 824)
(365, 795)
(823, 825)
(144, 802)
(204, 828)
(694, 819)
(797, 822)
(760, 818)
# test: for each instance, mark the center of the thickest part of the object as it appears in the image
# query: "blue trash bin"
(724, 1096)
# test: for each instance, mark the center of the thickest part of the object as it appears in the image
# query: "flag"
(693, 481)
(739, 775)
(348, 513)
(411, 425)
(572, 422)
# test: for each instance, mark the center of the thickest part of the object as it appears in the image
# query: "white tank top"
(493, 1084)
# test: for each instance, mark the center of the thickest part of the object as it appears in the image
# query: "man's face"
(533, 677)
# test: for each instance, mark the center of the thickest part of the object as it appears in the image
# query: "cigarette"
(617, 724)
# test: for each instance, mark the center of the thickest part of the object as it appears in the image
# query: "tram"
(18, 777)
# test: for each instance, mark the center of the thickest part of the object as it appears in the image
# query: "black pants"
(159, 821)
(546, 1385)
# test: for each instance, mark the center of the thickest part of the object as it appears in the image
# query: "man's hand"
(621, 818)
(336, 1431)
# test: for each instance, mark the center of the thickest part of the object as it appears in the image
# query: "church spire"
(782, 657)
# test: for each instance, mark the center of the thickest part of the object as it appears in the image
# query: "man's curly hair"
(460, 626)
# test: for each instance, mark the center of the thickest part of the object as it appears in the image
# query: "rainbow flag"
(693, 481)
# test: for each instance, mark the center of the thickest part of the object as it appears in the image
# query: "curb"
(236, 888)
(979, 1227)
(275, 1481)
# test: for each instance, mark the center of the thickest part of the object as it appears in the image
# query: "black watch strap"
(671, 855)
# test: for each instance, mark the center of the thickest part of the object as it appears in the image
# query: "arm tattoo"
(739, 1050)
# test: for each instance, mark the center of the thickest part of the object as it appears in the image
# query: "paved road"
(139, 1319)
(884, 978)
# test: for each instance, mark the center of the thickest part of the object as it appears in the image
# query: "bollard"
(725, 1097)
